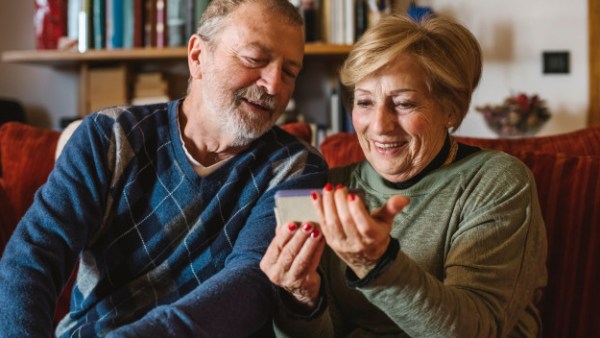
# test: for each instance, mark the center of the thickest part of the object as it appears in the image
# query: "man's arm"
(238, 300)
(44, 247)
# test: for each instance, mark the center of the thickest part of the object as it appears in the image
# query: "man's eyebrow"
(266, 50)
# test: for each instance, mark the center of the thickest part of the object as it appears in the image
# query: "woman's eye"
(405, 105)
(363, 103)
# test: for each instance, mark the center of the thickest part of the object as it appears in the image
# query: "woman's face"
(400, 127)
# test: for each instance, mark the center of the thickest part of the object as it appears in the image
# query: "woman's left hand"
(358, 237)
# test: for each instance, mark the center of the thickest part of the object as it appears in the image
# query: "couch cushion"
(580, 142)
(341, 149)
(299, 129)
(27, 157)
(569, 195)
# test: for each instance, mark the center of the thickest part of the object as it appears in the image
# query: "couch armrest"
(27, 157)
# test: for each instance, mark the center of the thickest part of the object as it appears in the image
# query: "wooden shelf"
(83, 63)
(55, 57)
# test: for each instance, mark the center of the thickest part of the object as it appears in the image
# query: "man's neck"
(202, 137)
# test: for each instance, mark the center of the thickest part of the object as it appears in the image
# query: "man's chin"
(246, 136)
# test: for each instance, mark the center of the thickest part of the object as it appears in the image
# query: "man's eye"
(289, 73)
(253, 61)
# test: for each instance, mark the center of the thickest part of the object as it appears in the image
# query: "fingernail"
(308, 227)
(313, 195)
(351, 197)
(292, 227)
(339, 186)
(328, 187)
(315, 233)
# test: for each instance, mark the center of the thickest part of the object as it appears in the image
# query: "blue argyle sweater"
(162, 252)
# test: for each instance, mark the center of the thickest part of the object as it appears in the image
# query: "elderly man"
(168, 208)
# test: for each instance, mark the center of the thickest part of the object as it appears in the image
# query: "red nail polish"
(328, 187)
(308, 227)
(339, 186)
(351, 197)
(313, 195)
(291, 227)
(315, 233)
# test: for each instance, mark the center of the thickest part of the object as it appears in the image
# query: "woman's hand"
(291, 261)
(360, 239)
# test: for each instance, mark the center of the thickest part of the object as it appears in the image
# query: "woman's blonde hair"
(447, 51)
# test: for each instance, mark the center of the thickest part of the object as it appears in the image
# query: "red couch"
(566, 168)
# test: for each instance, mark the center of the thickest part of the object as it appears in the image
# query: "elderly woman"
(454, 242)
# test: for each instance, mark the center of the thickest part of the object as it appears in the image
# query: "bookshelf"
(57, 58)
(131, 58)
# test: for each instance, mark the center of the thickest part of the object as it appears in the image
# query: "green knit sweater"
(471, 260)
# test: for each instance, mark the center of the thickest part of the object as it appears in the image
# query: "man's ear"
(195, 47)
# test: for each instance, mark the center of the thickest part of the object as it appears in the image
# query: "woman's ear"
(195, 47)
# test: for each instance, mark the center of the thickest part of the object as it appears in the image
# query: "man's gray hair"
(212, 20)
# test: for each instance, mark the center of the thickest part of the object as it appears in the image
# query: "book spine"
(150, 24)
(176, 22)
(138, 25)
(99, 23)
(73, 19)
(128, 23)
(349, 22)
(190, 18)
(200, 7)
(114, 24)
(84, 26)
(362, 18)
(161, 24)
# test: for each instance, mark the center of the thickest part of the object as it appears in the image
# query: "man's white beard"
(241, 126)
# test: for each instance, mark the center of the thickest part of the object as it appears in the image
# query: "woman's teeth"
(387, 145)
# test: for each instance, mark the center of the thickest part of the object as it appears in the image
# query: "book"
(114, 24)
(190, 18)
(161, 23)
(348, 22)
(128, 23)
(149, 88)
(73, 19)
(150, 23)
(99, 24)
(107, 87)
(138, 23)
(199, 8)
(176, 23)
(84, 26)
(50, 23)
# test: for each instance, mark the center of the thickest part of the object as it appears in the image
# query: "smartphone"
(296, 205)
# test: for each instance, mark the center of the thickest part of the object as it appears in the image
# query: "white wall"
(513, 34)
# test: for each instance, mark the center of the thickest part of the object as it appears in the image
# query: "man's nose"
(270, 78)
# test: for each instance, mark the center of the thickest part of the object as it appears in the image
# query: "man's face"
(249, 71)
